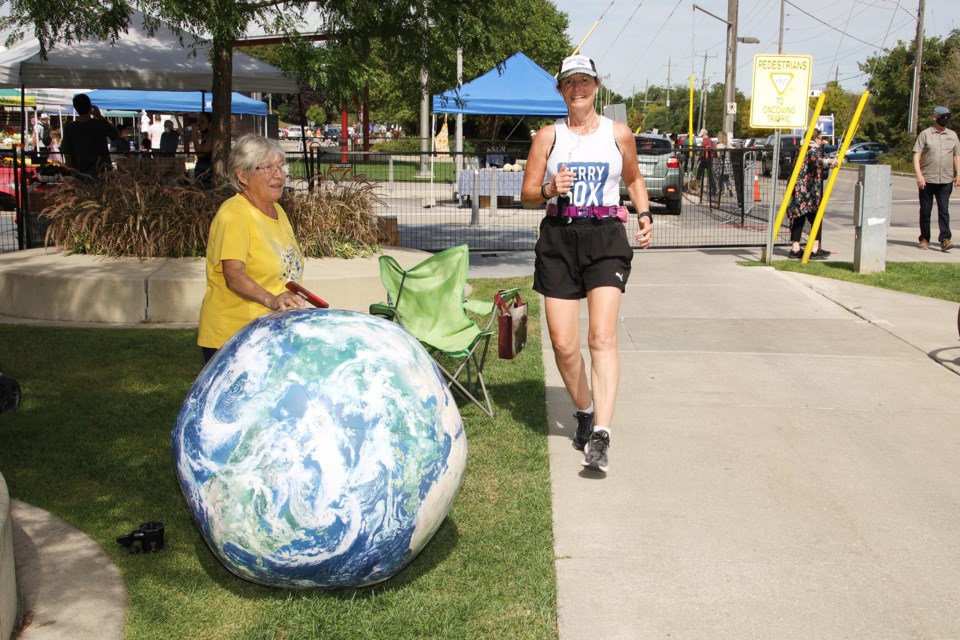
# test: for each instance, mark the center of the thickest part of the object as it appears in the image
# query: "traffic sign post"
(781, 90)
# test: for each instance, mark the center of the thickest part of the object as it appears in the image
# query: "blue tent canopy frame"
(519, 87)
(171, 101)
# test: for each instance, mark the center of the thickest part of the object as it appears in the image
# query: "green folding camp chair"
(428, 301)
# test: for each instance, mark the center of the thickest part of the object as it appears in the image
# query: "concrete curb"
(47, 285)
(70, 588)
(9, 603)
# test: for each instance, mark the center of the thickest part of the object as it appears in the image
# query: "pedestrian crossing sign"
(781, 89)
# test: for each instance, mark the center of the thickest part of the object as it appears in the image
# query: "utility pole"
(730, 78)
(917, 64)
(703, 90)
(780, 39)
(668, 81)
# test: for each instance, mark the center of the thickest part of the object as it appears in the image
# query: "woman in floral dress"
(806, 198)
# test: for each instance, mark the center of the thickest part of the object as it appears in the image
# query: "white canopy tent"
(136, 60)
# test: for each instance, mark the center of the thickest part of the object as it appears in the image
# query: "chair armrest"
(385, 311)
(509, 295)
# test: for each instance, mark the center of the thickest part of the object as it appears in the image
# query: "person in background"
(574, 167)
(170, 138)
(936, 163)
(155, 132)
(203, 146)
(805, 200)
(705, 161)
(53, 149)
(122, 144)
(41, 133)
(721, 166)
(85, 139)
(251, 251)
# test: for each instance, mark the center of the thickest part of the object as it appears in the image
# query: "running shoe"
(596, 451)
(584, 429)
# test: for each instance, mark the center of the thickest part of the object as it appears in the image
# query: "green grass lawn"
(91, 443)
(931, 279)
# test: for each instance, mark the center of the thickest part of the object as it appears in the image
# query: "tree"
(891, 79)
(355, 23)
(390, 65)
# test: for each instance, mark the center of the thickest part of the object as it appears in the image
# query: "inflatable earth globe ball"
(319, 449)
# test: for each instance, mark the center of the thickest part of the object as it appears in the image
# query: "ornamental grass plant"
(335, 218)
(146, 211)
(151, 209)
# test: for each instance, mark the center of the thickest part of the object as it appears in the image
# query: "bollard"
(871, 218)
(475, 200)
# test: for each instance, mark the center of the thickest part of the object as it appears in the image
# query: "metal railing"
(480, 205)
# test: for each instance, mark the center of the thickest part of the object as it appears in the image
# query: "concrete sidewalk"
(784, 462)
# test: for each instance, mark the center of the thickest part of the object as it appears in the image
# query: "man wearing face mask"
(936, 163)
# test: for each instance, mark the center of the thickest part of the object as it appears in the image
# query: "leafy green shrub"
(399, 145)
(152, 210)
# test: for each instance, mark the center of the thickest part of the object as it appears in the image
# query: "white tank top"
(595, 160)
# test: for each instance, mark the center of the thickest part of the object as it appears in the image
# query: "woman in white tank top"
(574, 167)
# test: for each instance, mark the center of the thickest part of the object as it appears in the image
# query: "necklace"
(578, 137)
(586, 125)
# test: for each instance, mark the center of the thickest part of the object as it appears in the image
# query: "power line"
(622, 29)
(831, 26)
(840, 42)
(652, 40)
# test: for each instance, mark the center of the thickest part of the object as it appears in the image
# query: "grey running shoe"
(596, 457)
(584, 429)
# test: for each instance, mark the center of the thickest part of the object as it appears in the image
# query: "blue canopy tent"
(520, 87)
(171, 101)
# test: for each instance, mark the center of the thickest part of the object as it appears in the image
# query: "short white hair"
(249, 152)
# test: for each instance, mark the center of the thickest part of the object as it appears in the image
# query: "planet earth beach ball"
(319, 449)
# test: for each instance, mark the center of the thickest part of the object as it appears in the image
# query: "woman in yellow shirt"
(251, 251)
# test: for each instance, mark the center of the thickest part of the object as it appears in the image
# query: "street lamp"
(730, 77)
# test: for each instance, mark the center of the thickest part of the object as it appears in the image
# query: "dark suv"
(660, 168)
(789, 148)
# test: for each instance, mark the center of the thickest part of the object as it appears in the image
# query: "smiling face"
(265, 182)
(579, 90)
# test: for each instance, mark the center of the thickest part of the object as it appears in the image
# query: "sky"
(640, 42)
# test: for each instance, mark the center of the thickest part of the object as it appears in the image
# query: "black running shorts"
(576, 255)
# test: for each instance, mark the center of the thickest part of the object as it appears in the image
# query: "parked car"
(291, 133)
(789, 148)
(330, 132)
(660, 168)
(865, 152)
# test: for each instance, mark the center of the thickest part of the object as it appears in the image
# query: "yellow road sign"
(781, 88)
